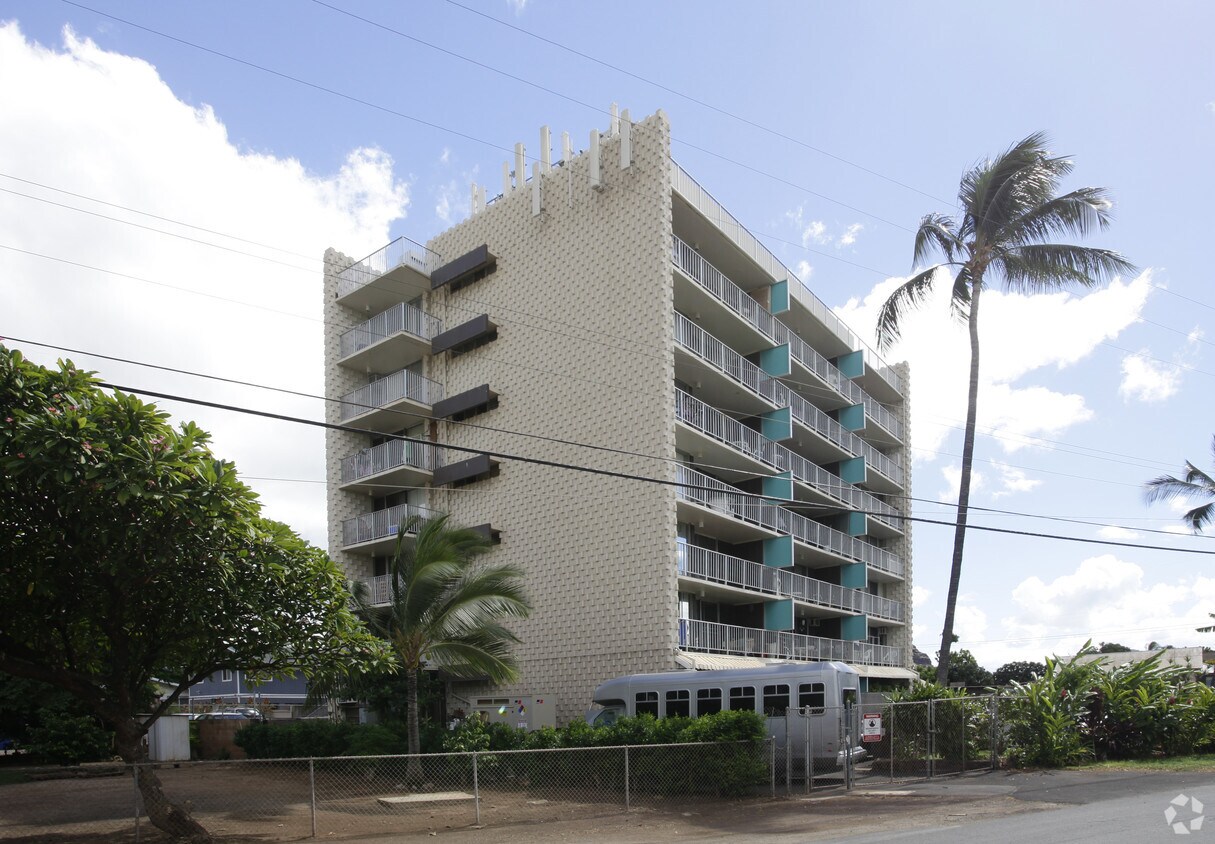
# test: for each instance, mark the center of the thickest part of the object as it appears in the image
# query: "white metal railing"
(380, 524)
(717, 495)
(401, 317)
(402, 384)
(695, 635)
(695, 267)
(401, 251)
(379, 590)
(393, 454)
(715, 567)
(711, 350)
(713, 423)
(700, 199)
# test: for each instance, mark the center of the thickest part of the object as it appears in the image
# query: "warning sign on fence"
(871, 727)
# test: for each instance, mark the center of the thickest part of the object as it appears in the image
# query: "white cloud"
(1013, 480)
(817, 232)
(1118, 534)
(953, 480)
(1146, 380)
(105, 125)
(517, 5)
(804, 270)
(1066, 329)
(445, 155)
(920, 595)
(448, 203)
(849, 236)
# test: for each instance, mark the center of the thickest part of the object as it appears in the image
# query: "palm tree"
(1010, 213)
(445, 610)
(1194, 485)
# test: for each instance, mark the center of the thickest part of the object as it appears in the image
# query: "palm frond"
(936, 231)
(1038, 267)
(1080, 212)
(959, 296)
(1196, 484)
(992, 190)
(907, 297)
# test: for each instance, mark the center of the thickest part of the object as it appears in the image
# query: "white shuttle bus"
(821, 689)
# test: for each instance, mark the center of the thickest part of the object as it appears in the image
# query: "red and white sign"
(871, 727)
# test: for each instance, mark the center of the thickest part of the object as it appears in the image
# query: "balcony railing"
(712, 637)
(393, 454)
(401, 252)
(715, 567)
(391, 388)
(399, 318)
(695, 267)
(711, 350)
(717, 495)
(713, 423)
(381, 524)
(700, 199)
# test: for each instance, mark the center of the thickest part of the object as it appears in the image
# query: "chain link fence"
(287, 799)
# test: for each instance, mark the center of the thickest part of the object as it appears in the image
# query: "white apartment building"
(605, 311)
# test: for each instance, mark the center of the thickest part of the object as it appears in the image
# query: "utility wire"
(610, 473)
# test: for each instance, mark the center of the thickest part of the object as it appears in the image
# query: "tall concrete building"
(605, 311)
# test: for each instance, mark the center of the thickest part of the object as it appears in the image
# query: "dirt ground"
(246, 803)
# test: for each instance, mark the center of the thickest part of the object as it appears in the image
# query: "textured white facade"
(587, 293)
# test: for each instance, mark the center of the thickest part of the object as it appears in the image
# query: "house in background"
(231, 688)
(605, 311)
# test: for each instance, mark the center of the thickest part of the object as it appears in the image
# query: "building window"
(742, 697)
(776, 699)
(647, 703)
(678, 703)
(812, 696)
(708, 701)
(226, 676)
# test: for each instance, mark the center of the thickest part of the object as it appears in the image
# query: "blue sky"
(827, 129)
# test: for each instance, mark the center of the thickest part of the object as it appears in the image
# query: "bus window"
(608, 716)
(742, 697)
(812, 696)
(848, 697)
(647, 702)
(708, 701)
(776, 699)
(678, 703)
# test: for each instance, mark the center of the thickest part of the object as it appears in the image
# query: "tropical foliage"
(1011, 212)
(1193, 485)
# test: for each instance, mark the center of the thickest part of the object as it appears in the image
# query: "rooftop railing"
(398, 386)
(717, 495)
(401, 317)
(712, 637)
(401, 252)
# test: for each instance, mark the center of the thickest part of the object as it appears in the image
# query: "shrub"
(69, 740)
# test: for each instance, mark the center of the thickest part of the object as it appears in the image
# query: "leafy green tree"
(445, 610)
(1193, 485)
(1021, 672)
(130, 551)
(965, 669)
(1113, 648)
(1011, 211)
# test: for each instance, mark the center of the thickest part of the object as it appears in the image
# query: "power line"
(610, 473)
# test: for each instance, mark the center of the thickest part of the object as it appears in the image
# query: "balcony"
(737, 440)
(396, 273)
(391, 403)
(739, 517)
(881, 422)
(750, 389)
(379, 590)
(376, 532)
(392, 465)
(394, 338)
(711, 637)
(706, 566)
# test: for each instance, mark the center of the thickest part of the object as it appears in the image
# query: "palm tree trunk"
(413, 768)
(968, 453)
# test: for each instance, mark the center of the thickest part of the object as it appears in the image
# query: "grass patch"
(1205, 762)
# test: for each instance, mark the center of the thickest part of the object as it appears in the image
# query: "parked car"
(246, 713)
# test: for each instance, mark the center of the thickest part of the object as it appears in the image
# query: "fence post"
(994, 732)
(476, 789)
(849, 737)
(627, 807)
(930, 744)
(894, 707)
(772, 763)
(965, 705)
(135, 780)
(312, 792)
(788, 759)
(808, 762)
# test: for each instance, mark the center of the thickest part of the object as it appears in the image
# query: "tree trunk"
(163, 813)
(413, 767)
(968, 453)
